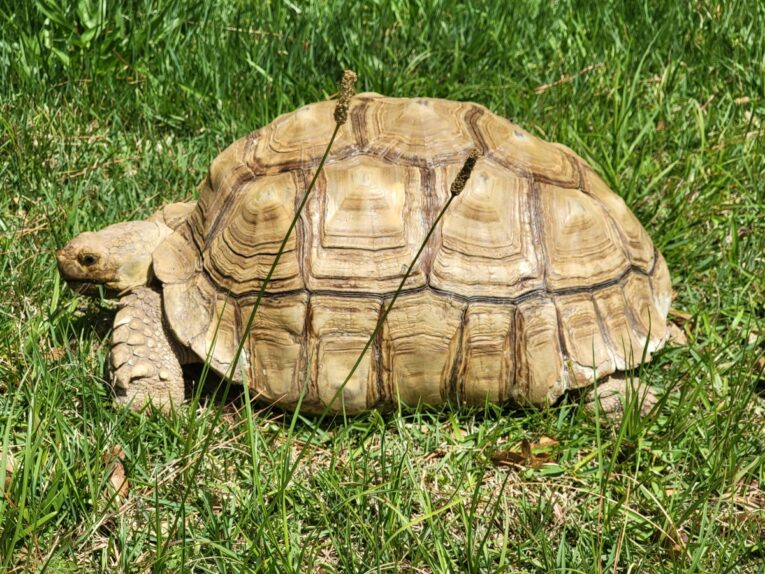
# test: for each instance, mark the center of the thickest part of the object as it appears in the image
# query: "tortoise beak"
(69, 271)
(63, 257)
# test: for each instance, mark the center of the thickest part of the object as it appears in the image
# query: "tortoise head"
(116, 258)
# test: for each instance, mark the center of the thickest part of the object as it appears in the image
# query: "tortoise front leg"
(616, 392)
(145, 359)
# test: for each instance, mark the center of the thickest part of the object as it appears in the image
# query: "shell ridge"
(471, 120)
(535, 293)
(454, 386)
(510, 385)
(561, 340)
(606, 334)
(304, 231)
(244, 359)
(427, 181)
(358, 124)
(238, 252)
(538, 231)
(382, 395)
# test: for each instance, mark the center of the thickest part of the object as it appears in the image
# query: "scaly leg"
(145, 358)
(615, 392)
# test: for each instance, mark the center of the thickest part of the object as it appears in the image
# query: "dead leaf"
(434, 455)
(546, 441)
(676, 541)
(680, 317)
(677, 336)
(526, 449)
(527, 456)
(55, 354)
(749, 494)
(742, 101)
(508, 457)
(118, 481)
(751, 118)
(566, 78)
(705, 105)
(10, 467)
(558, 512)
(744, 232)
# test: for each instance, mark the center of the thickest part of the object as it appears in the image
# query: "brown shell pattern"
(538, 278)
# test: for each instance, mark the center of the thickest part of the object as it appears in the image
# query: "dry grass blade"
(75, 173)
(565, 79)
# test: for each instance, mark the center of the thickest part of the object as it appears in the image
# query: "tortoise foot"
(616, 392)
(144, 358)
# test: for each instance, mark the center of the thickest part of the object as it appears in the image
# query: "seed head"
(467, 168)
(347, 89)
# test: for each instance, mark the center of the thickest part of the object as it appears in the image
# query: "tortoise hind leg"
(145, 359)
(616, 392)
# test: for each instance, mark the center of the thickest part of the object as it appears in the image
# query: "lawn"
(110, 109)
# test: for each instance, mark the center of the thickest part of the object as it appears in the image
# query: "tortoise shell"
(538, 278)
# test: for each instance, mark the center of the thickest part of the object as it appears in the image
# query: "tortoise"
(538, 278)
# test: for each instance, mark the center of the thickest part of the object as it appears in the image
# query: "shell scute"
(487, 369)
(418, 131)
(222, 339)
(520, 151)
(647, 321)
(488, 227)
(635, 239)
(583, 248)
(275, 351)
(420, 343)
(241, 252)
(298, 139)
(624, 342)
(587, 350)
(541, 373)
(340, 328)
(363, 226)
(661, 285)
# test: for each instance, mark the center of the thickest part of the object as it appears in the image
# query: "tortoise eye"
(87, 259)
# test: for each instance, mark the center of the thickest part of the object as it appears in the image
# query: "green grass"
(108, 110)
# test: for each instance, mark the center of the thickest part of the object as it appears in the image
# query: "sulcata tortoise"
(537, 279)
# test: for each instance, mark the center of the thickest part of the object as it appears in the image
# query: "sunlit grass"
(106, 113)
